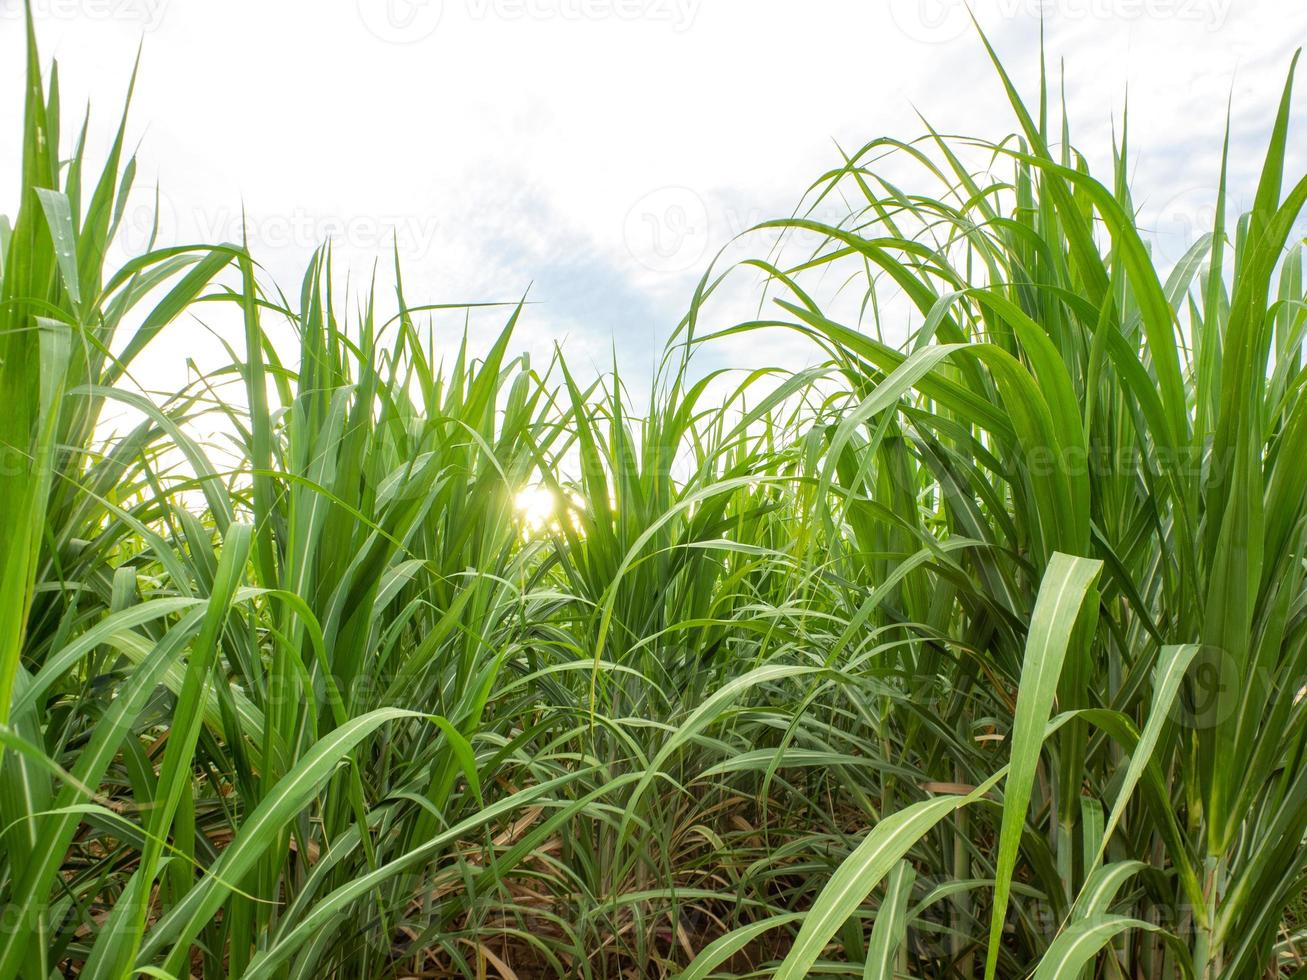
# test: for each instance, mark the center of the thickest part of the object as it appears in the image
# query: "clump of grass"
(1061, 398)
(979, 655)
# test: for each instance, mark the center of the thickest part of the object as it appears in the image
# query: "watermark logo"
(930, 21)
(1211, 691)
(300, 228)
(401, 21)
(149, 222)
(1178, 224)
(146, 15)
(667, 229)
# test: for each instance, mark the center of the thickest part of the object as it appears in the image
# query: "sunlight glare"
(535, 507)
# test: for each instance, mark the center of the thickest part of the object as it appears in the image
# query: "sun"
(535, 506)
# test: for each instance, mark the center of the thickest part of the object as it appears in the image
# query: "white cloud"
(604, 149)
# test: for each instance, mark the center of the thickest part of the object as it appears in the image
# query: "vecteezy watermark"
(148, 219)
(145, 14)
(414, 235)
(1212, 690)
(941, 21)
(149, 222)
(670, 229)
(401, 21)
(1184, 218)
(667, 229)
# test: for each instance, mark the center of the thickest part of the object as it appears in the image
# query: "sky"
(594, 155)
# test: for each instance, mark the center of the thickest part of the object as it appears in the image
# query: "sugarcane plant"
(1105, 475)
(976, 648)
